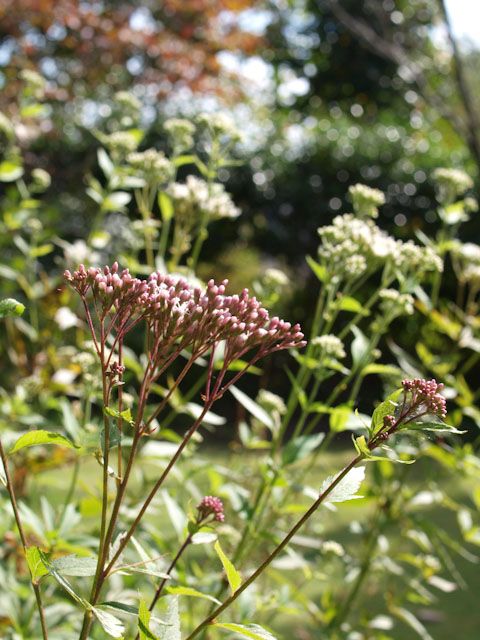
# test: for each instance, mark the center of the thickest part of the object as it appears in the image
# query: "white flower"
(65, 318)
(366, 200)
(451, 183)
(330, 346)
(396, 303)
(196, 196)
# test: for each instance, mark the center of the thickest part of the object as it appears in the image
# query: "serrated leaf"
(252, 407)
(233, 577)
(193, 593)
(35, 564)
(11, 307)
(110, 624)
(252, 631)
(73, 565)
(347, 488)
(41, 437)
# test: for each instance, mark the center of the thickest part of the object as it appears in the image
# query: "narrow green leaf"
(144, 616)
(252, 407)
(252, 631)
(233, 577)
(41, 437)
(300, 447)
(188, 591)
(62, 581)
(409, 619)
(319, 270)
(166, 206)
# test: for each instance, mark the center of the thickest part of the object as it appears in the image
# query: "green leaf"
(41, 437)
(339, 417)
(35, 110)
(385, 408)
(166, 206)
(252, 407)
(360, 346)
(347, 488)
(11, 307)
(431, 424)
(10, 171)
(73, 565)
(105, 163)
(62, 581)
(300, 447)
(347, 303)
(171, 629)
(204, 537)
(233, 577)
(116, 201)
(252, 631)
(188, 591)
(111, 625)
(144, 616)
(35, 564)
(409, 619)
(319, 270)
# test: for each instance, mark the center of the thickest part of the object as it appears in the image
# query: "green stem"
(23, 538)
(212, 616)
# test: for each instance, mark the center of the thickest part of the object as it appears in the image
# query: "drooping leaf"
(63, 582)
(347, 488)
(233, 577)
(41, 437)
(110, 624)
(252, 631)
(171, 630)
(409, 619)
(252, 407)
(300, 447)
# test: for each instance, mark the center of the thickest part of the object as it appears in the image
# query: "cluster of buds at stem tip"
(420, 398)
(181, 316)
(210, 506)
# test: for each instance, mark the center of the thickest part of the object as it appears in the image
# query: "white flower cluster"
(275, 278)
(394, 303)
(351, 246)
(366, 200)
(180, 132)
(152, 163)
(120, 141)
(219, 124)
(197, 196)
(128, 101)
(451, 183)
(466, 259)
(329, 346)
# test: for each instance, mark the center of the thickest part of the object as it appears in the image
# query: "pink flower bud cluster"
(114, 289)
(211, 506)
(425, 396)
(188, 316)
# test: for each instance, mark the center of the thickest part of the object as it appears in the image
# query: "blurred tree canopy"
(376, 92)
